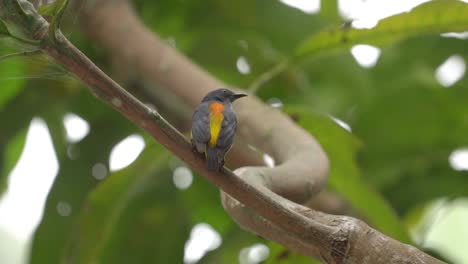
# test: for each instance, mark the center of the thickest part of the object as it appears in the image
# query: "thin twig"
(267, 76)
(20, 54)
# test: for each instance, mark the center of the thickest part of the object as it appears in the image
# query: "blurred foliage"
(393, 163)
(436, 16)
(121, 215)
(341, 148)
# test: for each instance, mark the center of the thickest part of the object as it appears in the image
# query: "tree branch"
(335, 239)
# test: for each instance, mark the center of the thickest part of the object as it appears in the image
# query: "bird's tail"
(212, 162)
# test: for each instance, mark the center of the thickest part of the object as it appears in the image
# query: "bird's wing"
(228, 130)
(201, 124)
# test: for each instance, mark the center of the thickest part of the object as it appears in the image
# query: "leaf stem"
(26, 41)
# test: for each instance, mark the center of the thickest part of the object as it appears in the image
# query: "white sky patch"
(126, 152)
(22, 205)
(76, 127)
(341, 123)
(366, 14)
(268, 160)
(307, 6)
(458, 159)
(365, 55)
(254, 254)
(458, 35)
(182, 178)
(203, 238)
(451, 71)
(243, 65)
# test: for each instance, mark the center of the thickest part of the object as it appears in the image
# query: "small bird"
(214, 125)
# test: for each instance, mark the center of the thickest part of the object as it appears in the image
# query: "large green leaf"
(341, 148)
(134, 210)
(74, 182)
(434, 17)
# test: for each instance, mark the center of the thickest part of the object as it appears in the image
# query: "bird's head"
(222, 95)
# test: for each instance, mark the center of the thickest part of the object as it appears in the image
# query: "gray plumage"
(201, 133)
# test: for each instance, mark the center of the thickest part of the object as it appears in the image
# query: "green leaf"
(434, 17)
(9, 85)
(341, 148)
(121, 196)
(74, 182)
(329, 10)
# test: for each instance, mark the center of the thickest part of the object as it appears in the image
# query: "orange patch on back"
(216, 119)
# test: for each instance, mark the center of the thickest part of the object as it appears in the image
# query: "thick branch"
(336, 239)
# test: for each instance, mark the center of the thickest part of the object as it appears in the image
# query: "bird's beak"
(237, 96)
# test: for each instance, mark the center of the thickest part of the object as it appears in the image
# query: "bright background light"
(458, 159)
(243, 65)
(76, 127)
(451, 71)
(458, 35)
(182, 177)
(22, 205)
(254, 254)
(126, 152)
(268, 160)
(444, 227)
(203, 239)
(29, 182)
(366, 14)
(307, 6)
(341, 123)
(365, 55)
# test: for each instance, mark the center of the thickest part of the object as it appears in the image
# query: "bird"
(214, 126)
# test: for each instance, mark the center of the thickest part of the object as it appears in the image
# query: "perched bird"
(214, 124)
